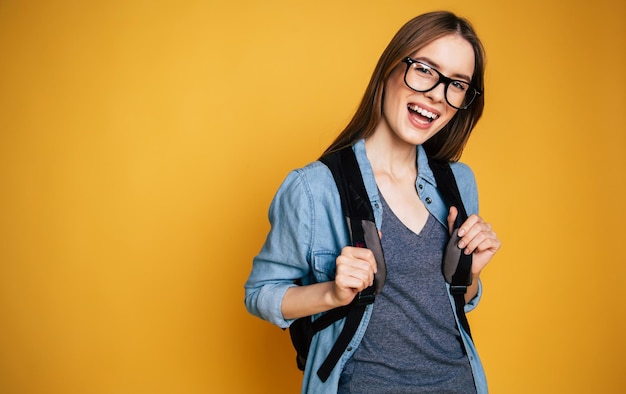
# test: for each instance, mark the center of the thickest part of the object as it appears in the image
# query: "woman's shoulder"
(312, 179)
(314, 169)
(313, 174)
(308, 195)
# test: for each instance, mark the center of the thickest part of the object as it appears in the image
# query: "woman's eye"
(423, 69)
(459, 86)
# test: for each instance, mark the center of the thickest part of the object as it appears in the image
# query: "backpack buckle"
(457, 290)
(365, 299)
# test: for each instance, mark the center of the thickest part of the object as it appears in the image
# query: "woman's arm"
(270, 290)
(283, 258)
(354, 272)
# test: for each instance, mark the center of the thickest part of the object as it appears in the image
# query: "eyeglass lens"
(422, 77)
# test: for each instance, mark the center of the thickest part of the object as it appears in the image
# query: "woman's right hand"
(355, 269)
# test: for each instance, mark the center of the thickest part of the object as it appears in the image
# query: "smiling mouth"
(422, 115)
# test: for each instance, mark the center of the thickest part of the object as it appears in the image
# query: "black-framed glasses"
(422, 78)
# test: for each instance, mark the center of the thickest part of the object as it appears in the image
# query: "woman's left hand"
(477, 237)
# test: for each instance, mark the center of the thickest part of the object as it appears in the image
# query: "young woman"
(423, 100)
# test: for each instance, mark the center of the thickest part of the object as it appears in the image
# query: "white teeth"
(423, 112)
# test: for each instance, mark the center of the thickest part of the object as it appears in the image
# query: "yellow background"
(141, 143)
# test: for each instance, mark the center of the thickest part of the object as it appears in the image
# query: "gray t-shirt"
(412, 343)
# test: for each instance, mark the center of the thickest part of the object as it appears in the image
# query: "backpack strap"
(359, 215)
(461, 277)
(357, 209)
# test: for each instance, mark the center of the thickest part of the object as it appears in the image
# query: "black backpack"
(359, 215)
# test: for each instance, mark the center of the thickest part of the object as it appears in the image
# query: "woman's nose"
(438, 93)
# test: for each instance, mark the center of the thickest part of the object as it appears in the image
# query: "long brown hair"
(448, 143)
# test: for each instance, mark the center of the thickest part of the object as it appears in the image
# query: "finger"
(480, 238)
(487, 248)
(468, 224)
(470, 232)
(452, 217)
(363, 261)
(354, 274)
(362, 254)
(491, 244)
(473, 243)
(351, 284)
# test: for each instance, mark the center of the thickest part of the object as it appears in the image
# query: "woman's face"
(413, 117)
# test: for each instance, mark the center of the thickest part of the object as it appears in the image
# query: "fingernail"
(461, 244)
(461, 232)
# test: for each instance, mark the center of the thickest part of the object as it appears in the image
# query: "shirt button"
(420, 186)
(349, 348)
(428, 200)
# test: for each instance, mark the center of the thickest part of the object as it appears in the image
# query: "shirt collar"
(423, 169)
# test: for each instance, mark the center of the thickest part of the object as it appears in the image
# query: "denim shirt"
(308, 231)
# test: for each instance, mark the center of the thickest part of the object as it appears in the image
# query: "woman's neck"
(391, 156)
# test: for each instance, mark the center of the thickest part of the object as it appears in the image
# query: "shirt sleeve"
(473, 303)
(285, 255)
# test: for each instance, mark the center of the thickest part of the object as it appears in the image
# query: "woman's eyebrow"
(435, 65)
